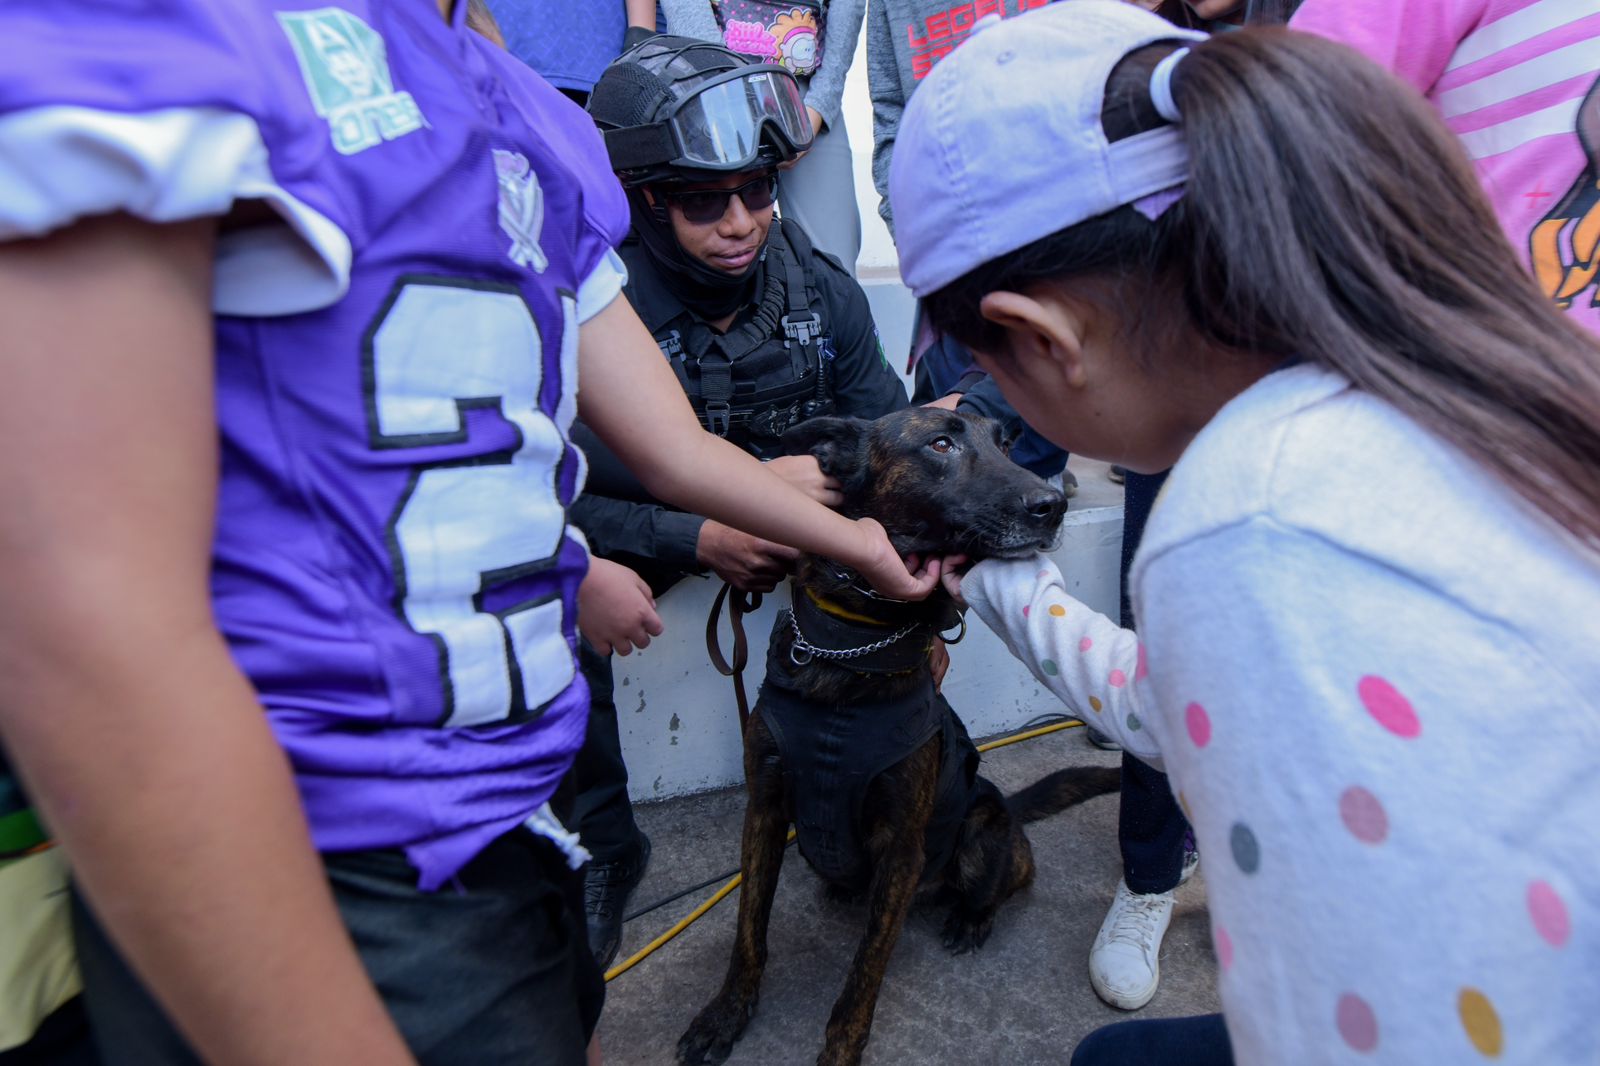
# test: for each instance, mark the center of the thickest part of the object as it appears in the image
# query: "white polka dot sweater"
(1373, 675)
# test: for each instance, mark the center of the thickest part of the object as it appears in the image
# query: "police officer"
(762, 330)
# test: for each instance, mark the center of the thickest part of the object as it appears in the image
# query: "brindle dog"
(940, 482)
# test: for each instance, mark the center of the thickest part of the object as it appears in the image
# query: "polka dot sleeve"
(1093, 665)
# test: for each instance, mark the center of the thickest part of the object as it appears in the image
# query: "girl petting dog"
(1369, 600)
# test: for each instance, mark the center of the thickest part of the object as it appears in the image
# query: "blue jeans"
(1150, 830)
(1198, 1041)
(1150, 826)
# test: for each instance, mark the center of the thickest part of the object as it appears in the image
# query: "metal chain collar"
(804, 651)
(841, 574)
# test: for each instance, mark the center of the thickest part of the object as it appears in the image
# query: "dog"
(852, 743)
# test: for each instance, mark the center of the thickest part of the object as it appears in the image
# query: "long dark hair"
(1330, 216)
(1256, 13)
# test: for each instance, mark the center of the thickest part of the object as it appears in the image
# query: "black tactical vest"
(758, 379)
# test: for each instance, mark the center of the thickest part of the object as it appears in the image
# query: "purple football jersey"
(396, 374)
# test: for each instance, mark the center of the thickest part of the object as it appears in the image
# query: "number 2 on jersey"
(439, 349)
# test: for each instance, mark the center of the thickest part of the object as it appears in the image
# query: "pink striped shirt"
(1517, 82)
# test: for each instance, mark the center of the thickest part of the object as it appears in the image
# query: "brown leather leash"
(739, 605)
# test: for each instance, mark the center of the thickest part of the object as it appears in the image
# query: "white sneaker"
(1125, 964)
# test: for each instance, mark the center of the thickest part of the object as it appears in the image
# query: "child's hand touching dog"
(950, 569)
(804, 473)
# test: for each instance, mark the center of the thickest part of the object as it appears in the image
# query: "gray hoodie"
(695, 18)
(905, 38)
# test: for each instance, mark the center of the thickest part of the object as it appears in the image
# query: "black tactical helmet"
(679, 109)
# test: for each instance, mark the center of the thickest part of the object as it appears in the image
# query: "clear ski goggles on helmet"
(720, 126)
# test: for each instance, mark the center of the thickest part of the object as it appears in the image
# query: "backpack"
(788, 33)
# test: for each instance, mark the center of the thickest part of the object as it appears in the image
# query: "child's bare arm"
(632, 401)
(641, 13)
(1089, 662)
(142, 744)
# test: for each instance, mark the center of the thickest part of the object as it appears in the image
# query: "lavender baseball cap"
(1001, 145)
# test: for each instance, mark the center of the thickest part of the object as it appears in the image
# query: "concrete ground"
(1023, 999)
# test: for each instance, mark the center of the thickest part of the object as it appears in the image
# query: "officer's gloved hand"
(636, 35)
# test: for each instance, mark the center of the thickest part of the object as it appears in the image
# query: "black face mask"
(708, 292)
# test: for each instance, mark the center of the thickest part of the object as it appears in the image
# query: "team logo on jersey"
(346, 70)
(521, 209)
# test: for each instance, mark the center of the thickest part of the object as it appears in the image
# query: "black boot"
(606, 888)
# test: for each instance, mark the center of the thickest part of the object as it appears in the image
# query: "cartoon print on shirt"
(1565, 244)
(786, 34)
(796, 37)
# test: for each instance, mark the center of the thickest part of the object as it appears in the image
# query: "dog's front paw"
(710, 1037)
(964, 931)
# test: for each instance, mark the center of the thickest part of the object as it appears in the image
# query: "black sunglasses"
(704, 206)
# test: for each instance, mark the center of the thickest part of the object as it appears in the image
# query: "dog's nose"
(1045, 506)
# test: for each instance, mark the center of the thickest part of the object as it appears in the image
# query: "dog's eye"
(942, 444)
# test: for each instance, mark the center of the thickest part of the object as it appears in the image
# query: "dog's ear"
(839, 444)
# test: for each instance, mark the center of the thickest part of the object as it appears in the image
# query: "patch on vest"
(346, 69)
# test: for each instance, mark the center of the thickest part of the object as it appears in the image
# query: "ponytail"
(1269, 12)
(1330, 216)
(1333, 216)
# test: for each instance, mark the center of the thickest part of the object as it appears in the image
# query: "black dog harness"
(832, 752)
